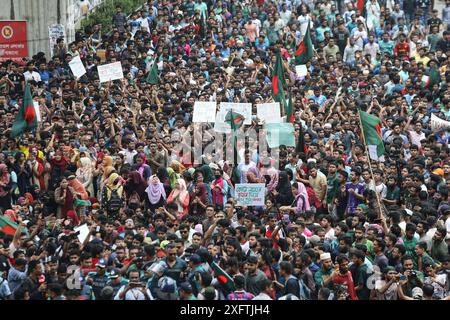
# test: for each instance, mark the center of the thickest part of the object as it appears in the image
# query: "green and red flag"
(152, 77)
(26, 119)
(7, 226)
(431, 78)
(224, 279)
(305, 50)
(372, 135)
(278, 81)
(236, 120)
(290, 110)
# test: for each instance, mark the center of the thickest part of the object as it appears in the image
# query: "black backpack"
(115, 202)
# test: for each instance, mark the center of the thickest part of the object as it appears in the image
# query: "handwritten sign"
(438, 123)
(110, 72)
(269, 112)
(77, 67)
(204, 112)
(250, 194)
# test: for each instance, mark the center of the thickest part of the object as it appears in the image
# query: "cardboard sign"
(110, 72)
(250, 194)
(77, 67)
(204, 112)
(269, 112)
(280, 134)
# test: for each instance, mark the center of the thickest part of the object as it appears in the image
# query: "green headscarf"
(173, 177)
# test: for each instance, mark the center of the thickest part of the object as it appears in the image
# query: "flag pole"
(370, 164)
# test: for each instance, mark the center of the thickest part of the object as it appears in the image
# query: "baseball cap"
(101, 263)
(195, 258)
(114, 274)
(186, 287)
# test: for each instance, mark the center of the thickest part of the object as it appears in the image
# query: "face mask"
(217, 176)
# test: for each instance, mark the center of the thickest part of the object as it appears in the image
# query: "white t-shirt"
(133, 294)
(389, 294)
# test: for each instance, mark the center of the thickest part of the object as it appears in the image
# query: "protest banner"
(13, 40)
(269, 112)
(438, 123)
(250, 194)
(280, 134)
(110, 72)
(204, 112)
(77, 67)
(55, 31)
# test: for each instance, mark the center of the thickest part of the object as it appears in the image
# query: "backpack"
(114, 202)
(305, 292)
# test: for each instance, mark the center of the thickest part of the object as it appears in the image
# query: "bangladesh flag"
(433, 77)
(236, 120)
(152, 77)
(305, 50)
(26, 118)
(290, 110)
(7, 226)
(278, 81)
(224, 279)
(372, 135)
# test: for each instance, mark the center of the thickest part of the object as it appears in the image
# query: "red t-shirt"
(346, 280)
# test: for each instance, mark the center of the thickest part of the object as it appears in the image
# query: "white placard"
(250, 194)
(269, 112)
(301, 70)
(55, 31)
(438, 123)
(204, 112)
(84, 232)
(37, 110)
(77, 67)
(110, 72)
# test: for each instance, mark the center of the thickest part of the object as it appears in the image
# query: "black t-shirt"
(17, 79)
(434, 22)
(292, 287)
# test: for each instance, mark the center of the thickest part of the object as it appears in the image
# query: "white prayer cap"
(325, 256)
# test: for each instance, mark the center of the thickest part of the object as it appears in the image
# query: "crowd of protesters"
(336, 225)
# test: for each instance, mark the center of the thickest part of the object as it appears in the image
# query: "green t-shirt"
(393, 194)
(361, 278)
(410, 246)
(332, 188)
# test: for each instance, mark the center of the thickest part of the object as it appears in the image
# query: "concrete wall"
(40, 14)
